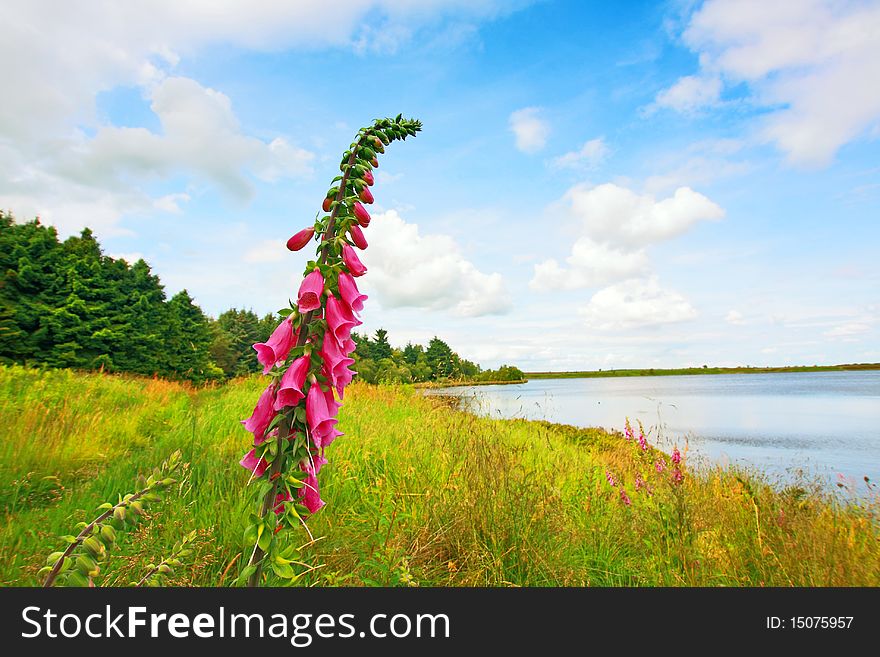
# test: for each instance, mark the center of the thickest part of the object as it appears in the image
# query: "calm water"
(825, 423)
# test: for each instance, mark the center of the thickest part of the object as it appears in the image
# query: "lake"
(820, 423)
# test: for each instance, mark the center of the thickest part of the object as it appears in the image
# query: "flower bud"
(374, 161)
(368, 177)
(366, 196)
(357, 236)
(361, 214)
(379, 147)
(325, 206)
(302, 238)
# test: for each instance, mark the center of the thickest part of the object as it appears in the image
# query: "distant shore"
(456, 384)
(590, 374)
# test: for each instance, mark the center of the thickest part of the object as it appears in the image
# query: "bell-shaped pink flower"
(319, 418)
(361, 214)
(262, 416)
(290, 390)
(335, 363)
(366, 195)
(302, 238)
(357, 236)
(368, 177)
(349, 346)
(310, 291)
(252, 464)
(309, 493)
(349, 292)
(340, 319)
(352, 262)
(277, 347)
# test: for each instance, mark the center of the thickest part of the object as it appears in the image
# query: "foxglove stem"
(284, 430)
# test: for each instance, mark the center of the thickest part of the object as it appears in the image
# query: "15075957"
(809, 622)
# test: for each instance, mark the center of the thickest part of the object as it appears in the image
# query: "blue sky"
(597, 184)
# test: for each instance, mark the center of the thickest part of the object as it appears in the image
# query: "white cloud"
(591, 155)
(529, 129)
(589, 264)
(848, 331)
(734, 317)
(813, 63)
(200, 134)
(616, 226)
(408, 269)
(635, 303)
(691, 93)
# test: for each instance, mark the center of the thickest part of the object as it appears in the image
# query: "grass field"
(589, 374)
(417, 493)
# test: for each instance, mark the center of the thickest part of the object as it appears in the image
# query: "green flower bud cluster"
(78, 563)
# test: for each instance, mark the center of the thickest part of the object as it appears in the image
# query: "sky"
(597, 184)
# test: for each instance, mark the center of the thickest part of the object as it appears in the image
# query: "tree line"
(66, 304)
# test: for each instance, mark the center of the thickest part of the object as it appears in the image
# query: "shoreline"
(696, 371)
(465, 384)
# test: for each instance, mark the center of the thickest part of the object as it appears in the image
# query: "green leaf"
(106, 506)
(264, 538)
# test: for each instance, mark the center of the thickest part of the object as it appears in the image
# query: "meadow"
(418, 494)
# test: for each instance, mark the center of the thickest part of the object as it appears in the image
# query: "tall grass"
(418, 493)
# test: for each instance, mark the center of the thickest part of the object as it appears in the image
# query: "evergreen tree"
(380, 348)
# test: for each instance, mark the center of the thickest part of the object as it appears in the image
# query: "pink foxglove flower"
(366, 195)
(336, 363)
(302, 238)
(262, 416)
(350, 294)
(277, 347)
(357, 236)
(610, 478)
(368, 177)
(361, 214)
(257, 467)
(320, 420)
(624, 497)
(676, 456)
(310, 291)
(290, 390)
(352, 262)
(340, 319)
(309, 493)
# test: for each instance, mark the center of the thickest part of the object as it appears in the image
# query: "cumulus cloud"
(409, 269)
(812, 63)
(616, 227)
(530, 130)
(635, 303)
(200, 134)
(591, 155)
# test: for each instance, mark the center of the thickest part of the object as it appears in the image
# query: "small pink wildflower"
(660, 465)
(625, 498)
(610, 478)
(677, 476)
(676, 456)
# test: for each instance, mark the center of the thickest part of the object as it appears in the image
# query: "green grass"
(418, 493)
(590, 374)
